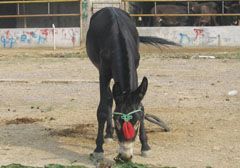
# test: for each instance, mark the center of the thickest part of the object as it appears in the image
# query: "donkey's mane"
(128, 46)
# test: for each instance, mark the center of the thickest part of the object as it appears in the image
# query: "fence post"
(155, 7)
(49, 8)
(81, 22)
(222, 7)
(54, 37)
(219, 40)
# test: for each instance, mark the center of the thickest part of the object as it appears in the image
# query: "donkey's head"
(127, 117)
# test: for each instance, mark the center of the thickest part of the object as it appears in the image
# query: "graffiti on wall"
(71, 35)
(198, 36)
(7, 40)
(65, 37)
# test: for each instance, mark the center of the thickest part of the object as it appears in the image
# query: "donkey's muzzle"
(125, 151)
(121, 158)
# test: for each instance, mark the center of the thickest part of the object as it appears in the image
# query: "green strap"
(127, 117)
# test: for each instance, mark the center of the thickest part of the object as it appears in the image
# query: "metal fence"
(125, 4)
(21, 12)
(48, 14)
(99, 5)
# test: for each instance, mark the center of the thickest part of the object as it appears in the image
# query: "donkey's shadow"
(37, 137)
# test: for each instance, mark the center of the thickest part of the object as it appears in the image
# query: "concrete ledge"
(70, 37)
(39, 37)
(196, 36)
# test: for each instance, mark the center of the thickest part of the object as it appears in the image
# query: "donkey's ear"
(141, 90)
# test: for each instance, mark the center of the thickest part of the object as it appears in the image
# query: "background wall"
(70, 37)
(39, 37)
(196, 36)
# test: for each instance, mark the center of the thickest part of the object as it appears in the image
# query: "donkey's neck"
(124, 70)
(125, 54)
(128, 84)
(132, 81)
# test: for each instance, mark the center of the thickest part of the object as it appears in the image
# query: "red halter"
(127, 128)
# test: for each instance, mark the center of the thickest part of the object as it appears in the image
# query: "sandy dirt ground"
(48, 105)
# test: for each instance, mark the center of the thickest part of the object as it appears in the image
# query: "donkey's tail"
(155, 120)
(156, 41)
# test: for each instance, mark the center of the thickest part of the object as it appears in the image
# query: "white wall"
(70, 37)
(39, 37)
(196, 36)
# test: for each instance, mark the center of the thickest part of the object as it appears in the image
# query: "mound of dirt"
(81, 130)
(23, 120)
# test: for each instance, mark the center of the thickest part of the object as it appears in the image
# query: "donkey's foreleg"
(102, 113)
(109, 128)
(101, 117)
(143, 139)
(97, 155)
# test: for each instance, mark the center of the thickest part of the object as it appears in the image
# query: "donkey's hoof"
(146, 153)
(96, 157)
(108, 140)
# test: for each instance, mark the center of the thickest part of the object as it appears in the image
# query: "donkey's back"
(110, 29)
